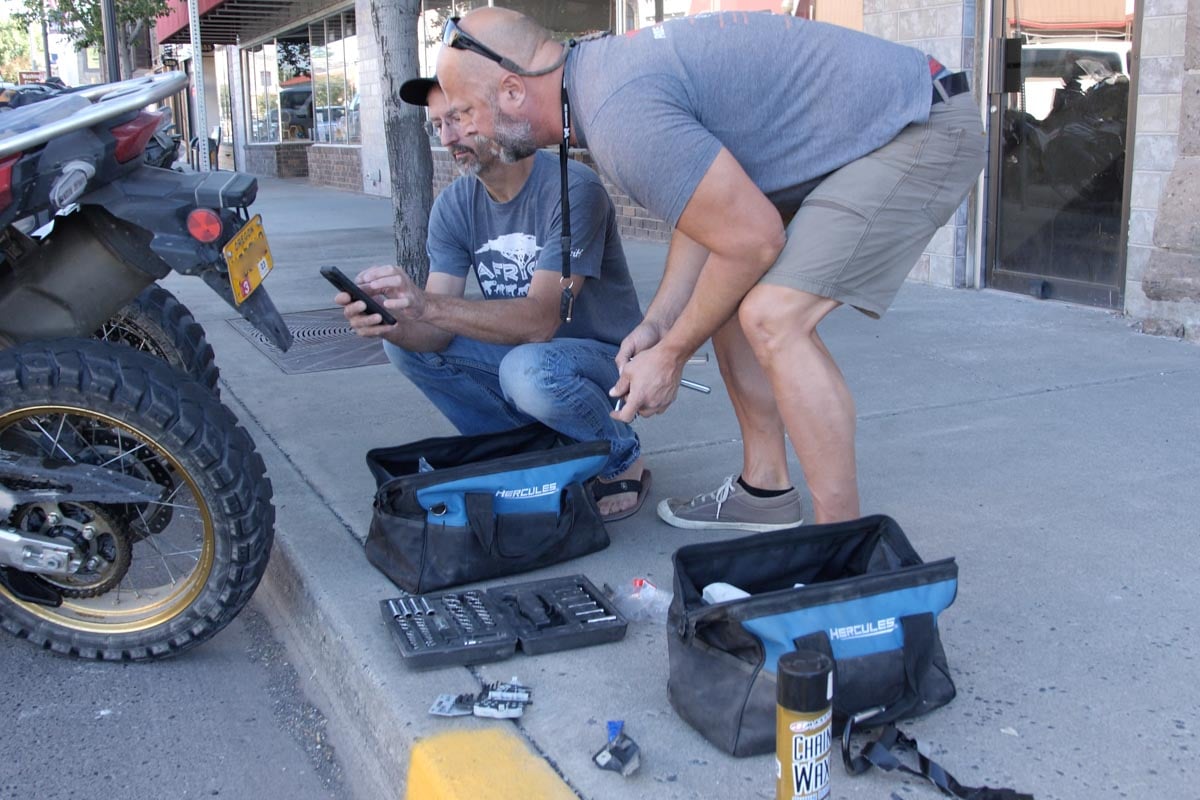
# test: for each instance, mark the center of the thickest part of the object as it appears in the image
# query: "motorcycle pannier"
(492, 505)
(866, 599)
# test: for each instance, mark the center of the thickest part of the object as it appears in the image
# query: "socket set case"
(477, 626)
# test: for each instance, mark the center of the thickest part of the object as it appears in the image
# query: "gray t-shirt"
(792, 100)
(506, 242)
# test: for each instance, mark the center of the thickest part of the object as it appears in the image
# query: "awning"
(220, 20)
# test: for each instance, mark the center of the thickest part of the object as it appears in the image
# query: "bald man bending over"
(725, 125)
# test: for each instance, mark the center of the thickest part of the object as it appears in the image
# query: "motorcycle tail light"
(132, 136)
(6, 171)
(204, 225)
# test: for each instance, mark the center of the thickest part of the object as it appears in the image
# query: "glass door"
(1060, 121)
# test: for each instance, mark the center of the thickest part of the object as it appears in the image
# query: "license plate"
(248, 258)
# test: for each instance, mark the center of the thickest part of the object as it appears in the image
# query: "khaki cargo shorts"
(859, 233)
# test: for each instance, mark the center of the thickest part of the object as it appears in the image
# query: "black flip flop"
(604, 489)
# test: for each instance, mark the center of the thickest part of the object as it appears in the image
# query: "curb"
(317, 589)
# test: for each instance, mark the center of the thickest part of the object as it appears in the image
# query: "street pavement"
(228, 720)
(1050, 448)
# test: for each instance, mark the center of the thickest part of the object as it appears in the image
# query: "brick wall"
(336, 165)
(634, 221)
(288, 160)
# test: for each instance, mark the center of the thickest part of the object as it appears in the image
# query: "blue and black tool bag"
(867, 600)
(484, 507)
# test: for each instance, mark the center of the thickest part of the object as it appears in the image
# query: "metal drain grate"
(322, 340)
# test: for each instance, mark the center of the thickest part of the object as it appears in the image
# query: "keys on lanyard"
(566, 306)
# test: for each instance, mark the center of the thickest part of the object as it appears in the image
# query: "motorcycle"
(135, 512)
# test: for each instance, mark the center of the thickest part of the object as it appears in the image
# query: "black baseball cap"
(415, 92)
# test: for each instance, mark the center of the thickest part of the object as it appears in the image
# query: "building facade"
(1092, 109)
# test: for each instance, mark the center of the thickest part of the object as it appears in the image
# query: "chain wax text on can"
(804, 726)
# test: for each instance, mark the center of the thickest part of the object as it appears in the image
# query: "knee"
(774, 317)
(401, 359)
(524, 374)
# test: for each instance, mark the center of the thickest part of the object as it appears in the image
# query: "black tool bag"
(868, 601)
(492, 505)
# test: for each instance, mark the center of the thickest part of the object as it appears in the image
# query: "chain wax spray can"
(803, 725)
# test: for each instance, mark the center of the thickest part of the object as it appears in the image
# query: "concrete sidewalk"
(1052, 449)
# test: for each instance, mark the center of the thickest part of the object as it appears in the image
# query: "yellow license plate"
(248, 258)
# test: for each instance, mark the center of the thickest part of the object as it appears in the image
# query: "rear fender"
(158, 201)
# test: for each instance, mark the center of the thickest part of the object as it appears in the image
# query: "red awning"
(221, 21)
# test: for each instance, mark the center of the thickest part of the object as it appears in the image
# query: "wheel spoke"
(54, 439)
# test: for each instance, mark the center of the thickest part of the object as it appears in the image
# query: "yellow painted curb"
(490, 763)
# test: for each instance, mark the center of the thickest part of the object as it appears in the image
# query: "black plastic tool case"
(476, 626)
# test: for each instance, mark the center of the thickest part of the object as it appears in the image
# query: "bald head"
(508, 33)
(492, 98)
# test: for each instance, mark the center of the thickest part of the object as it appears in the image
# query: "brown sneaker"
(730, 507)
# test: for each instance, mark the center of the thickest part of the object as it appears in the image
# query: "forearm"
(717, 293)
(685, 260)
(418, 337)
(508, 321)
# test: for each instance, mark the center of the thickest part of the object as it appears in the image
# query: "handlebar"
(108, 100)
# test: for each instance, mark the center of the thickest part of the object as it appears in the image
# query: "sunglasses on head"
(458, 39)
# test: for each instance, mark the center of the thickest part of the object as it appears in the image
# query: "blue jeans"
(487, 388)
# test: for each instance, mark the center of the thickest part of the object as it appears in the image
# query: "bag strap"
(881, 753)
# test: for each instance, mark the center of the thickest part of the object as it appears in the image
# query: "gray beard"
(513, 136)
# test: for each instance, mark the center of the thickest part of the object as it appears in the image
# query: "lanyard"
(566, 306)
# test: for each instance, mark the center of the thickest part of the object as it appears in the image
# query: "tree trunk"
(124, 52)
(409, 160)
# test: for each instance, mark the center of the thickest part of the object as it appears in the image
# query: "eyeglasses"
(456, 38)
(434, 127)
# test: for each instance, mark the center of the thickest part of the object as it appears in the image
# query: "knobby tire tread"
(199, 431)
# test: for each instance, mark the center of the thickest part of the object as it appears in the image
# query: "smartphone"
(344, 284)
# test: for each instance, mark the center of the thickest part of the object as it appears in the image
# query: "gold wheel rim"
(149, 615)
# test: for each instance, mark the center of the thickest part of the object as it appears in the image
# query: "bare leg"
(764, 455)
(810, 392)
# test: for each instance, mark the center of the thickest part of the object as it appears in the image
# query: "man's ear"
(511, 92)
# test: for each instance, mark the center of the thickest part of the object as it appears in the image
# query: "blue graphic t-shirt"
(505, 242)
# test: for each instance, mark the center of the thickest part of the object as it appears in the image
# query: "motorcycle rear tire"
(156, 322)
(94, 386)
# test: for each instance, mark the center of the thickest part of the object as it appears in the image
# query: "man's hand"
(397, 291)
(648, 383)
(355, 311)
(643, 337)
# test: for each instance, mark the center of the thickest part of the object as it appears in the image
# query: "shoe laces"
(720, 494)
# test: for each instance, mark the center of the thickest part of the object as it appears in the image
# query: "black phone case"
(342, 283)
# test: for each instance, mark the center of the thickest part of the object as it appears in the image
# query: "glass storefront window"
(296, 117)
(262, 101)
(335, 79)
(225, 107)
(304, 85)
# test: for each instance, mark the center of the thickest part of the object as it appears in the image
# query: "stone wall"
(946, 30)
(1162, 274)
(375, 178)
(336, 165)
